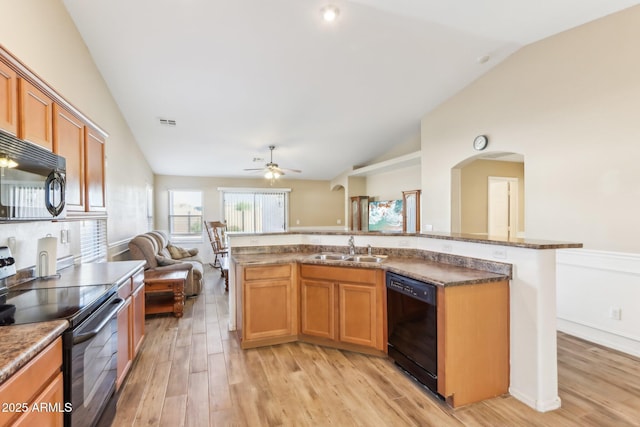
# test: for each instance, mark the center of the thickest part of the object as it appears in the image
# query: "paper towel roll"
(47, 259)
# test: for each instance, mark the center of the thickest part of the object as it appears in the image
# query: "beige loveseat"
(154, 248)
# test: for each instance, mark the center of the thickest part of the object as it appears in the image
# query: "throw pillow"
(177, 252)
(193, 251)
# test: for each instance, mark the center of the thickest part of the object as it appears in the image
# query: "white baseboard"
(590, 285)
(598, 336)
(540, 406)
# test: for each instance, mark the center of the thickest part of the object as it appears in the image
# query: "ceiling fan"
(271, 170)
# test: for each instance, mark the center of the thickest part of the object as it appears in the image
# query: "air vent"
(167, 122)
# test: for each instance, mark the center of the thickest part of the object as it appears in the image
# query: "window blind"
(93, 241)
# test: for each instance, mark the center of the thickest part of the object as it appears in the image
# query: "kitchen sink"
(364, 258)
(344, 257)
(331, 257)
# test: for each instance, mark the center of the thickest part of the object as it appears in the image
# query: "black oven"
(89, 366)
(89, 345)
(412, 322)
(32, 181)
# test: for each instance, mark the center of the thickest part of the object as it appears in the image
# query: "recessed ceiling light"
(330, 13)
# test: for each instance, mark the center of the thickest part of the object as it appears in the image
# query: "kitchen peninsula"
(532, 309)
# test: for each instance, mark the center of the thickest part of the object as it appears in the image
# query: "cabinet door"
(94, 171)
(317, 313)
(35, 115)
(137, 322)
(8, 99)
(68, 142)
(358, 314)
(51, 397)
(267, 309)
(124, 342)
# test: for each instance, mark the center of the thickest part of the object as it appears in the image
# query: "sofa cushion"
(166, 261)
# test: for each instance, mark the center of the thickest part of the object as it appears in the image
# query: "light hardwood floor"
(192, 372)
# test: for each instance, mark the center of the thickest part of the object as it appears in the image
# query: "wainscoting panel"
(598, 297)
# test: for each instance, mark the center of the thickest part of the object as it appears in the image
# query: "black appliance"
(33, 188)
(412, 322)
(89, 344)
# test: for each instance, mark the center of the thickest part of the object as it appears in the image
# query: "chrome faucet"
(352, 246)
(369, 250)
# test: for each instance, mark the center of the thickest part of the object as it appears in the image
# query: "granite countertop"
(100, 273)
(438, 273)
(520, 242)
(20, 343)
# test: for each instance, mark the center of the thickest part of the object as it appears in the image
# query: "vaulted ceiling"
(239, 75)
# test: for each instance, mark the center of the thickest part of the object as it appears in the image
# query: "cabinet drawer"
(339, 274)
(137, 280)
(31, 379)
(124, 290)
(267, 272)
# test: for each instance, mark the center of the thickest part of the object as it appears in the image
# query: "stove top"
(29, 305)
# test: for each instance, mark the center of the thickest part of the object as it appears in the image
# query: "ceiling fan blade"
(255, 169)
(292, 170)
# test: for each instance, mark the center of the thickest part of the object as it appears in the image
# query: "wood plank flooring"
(192, 372)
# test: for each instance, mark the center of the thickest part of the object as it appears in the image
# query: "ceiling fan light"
(268, 175)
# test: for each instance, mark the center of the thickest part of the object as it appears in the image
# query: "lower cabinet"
(473, 342)
(130, 324)
(38, 384)
(343, 304)
(268, 305)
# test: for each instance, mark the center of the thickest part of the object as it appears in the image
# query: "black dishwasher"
(413, 328)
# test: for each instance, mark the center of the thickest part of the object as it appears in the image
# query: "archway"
(470, 200)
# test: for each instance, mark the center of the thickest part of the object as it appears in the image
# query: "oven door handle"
(80, 338)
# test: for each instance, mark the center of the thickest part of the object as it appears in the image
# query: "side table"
(164, 291)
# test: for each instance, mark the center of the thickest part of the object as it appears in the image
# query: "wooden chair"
(217, 232)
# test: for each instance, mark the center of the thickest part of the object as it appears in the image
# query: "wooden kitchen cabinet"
(473, 342)
(124, 340)
(35, 115)
(38, 382)
(268, 306)
(94, 158)
(130, 324)
(8, 99)
(343, 305)
(69, 142)
(35, 112)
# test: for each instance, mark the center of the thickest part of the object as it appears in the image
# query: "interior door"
(503, 207)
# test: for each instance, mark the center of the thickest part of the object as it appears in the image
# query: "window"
(255, 210)
(93, 241)
(185, 214)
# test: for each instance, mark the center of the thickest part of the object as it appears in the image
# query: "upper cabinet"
(8, 99)
(68, 142)
(35, 112)
(94, 156)
(34, 115)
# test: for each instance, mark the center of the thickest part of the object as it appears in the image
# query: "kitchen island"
(532, 308)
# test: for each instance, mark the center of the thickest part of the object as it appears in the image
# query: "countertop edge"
(16, 356)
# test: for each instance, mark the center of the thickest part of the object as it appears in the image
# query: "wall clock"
(480, 142)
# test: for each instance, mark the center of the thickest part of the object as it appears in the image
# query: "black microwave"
(32, 181)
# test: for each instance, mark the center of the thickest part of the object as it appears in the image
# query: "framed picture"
(385, 215)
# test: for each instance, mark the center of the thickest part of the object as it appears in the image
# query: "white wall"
(570, 105)
(390, 185)
(42, 35)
